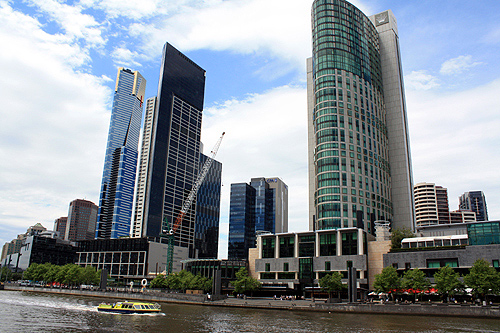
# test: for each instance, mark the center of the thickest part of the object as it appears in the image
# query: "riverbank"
(417, 309)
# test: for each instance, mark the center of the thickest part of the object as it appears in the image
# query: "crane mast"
(185, 207)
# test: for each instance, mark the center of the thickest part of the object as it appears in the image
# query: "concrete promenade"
(418, 309)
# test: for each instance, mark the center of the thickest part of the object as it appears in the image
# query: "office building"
(258, 207)
(60, 226)
(82, 218)
(142, 173)
(118, 179)
(359, 153)
(174, 149)
(206, 231)
(474, 201)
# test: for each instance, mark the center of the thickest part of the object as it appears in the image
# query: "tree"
(447, 281)
(397, 236)
(483, 279)
(244, 282)
(415, 280)
(6, 274)
(159, 282)
(89, 275)
(388, 281)
(30, 272)
(331, 283)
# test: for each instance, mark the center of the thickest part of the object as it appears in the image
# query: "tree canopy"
(387, 281)
(447, 281)
(182, 280)
(397, 235)
(244, 282)
(482, 278)
(331, 283)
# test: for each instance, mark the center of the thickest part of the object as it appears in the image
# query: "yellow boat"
(129, 307)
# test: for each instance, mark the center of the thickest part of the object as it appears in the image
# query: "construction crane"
(169, 230)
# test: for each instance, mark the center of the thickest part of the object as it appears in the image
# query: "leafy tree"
(51, 273)
(61, 275)
(74, 274)
(415, 279)
(397, 236)
(447, 281)
(89, 275)
(244, 282)
(331, 283)
(30, 272)
(483, 279)
(159, 282)
(6, 274)
(388, 281)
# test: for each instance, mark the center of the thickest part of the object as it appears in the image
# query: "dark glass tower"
(474, 201)
(206, 231)
(359, 155)
(259, 207)
(175, 146)
(118, 179)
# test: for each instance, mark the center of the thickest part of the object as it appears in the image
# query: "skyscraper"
(359, 155)
(81, 221)
(261, 206)
(118, 179)
(142, 174)
(174, 149)
(60, 226)
(206, 231)
(475, 201)
(431, 204)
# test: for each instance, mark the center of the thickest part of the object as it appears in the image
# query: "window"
(328, 266)
(287, 247)
(268, 247)
(285, 267)
(495, 263)
(407, 265)
(268, 267)
(350, 243)
(395, 265)
(327, 244)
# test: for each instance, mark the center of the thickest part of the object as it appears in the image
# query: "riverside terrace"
(418, 309)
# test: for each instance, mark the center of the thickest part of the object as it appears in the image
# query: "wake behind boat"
(129, 307)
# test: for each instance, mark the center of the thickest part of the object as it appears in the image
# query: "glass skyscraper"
(174, 149)
(474, 201)
(359, 155)
(259, 207)
(118, 179)
(206, 229)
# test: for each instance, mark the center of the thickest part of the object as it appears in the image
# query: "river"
(37, 312)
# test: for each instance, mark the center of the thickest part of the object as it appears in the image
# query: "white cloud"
(54, 123)
(455, 141)
(458, 65)
(123, 57)
(420, 80)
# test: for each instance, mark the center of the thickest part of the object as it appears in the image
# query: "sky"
(59, 60)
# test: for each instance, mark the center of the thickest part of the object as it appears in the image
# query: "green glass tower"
(359, 155)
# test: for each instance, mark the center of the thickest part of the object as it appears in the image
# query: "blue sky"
(59, 61)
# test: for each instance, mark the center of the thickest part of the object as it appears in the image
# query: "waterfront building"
(358, 144)
(120, 162)
(459, 251)
(258, 207)
(128, 258)
(294, 261)
(15, 245)
(474, 201)
(142, 174)
(174, 149)
(81, 220)
(206, 231)
(41, 248)
(60, 226)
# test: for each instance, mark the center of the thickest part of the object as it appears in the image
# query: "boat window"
(137, 306)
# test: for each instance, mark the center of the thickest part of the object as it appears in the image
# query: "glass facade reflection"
(484, 233)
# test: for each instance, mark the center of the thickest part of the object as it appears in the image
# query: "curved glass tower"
(359, 157)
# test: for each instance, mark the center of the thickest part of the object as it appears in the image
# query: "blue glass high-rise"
(118, 179)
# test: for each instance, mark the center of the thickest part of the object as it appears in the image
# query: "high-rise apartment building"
(118, 179)
(359, 152)
(174, 148)
(142, 174)
(432, 208)
(475, 201)
(60, 226)
(82, 218)
(206, 231)
(258, 207)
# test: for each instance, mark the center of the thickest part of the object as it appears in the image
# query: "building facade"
(474, 201)
(174, 149)
(258, 207)
(358, 143)
(206, 238)
(60, 226)
(120, 162)
(142, 174)
(81, 221)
